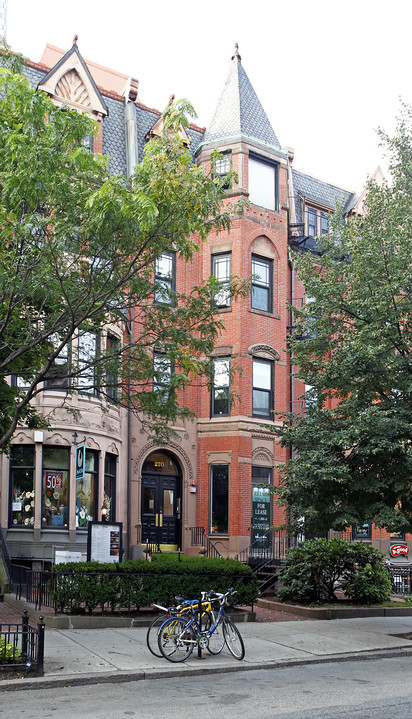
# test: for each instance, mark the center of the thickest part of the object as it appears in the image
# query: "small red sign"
(54, 480)
(397, 549)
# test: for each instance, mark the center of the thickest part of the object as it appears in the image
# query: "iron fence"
(5, 555)
(32, 586)
(271, 546)
(106, 592)
(401, 580)
(22, 647)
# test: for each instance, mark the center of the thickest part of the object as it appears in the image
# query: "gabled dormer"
(70, 83)
(157, 129)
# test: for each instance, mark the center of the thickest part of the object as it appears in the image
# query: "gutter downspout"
(130, 94)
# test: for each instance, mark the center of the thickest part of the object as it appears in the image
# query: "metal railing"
(32, 587)
(114, 592)
(200, 538)
(5, 556)
(196, 536)
(401, 580)
(22, 647)
(272, 546)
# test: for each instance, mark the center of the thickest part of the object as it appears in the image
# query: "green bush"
(9, 654)
(315, 569)
(85, 586)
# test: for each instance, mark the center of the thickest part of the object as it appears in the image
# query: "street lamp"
(103, 511)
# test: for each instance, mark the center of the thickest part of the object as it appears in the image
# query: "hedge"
(84, 586)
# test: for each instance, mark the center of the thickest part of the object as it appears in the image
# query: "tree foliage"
(352, 345)
(78, 251)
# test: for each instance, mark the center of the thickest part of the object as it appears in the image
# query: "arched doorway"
(161, 501)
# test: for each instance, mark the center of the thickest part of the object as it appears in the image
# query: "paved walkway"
(85, 656)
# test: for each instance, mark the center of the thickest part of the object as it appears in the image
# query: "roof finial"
(236, 53)
(75, 39)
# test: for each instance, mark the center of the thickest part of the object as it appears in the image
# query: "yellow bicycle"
(185, 608)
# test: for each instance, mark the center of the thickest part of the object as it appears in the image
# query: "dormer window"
(222, 166)
(317, 222)
(263, 182)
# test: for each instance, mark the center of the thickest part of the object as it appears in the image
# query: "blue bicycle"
(178, 636)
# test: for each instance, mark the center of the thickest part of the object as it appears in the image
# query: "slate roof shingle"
(239, 112)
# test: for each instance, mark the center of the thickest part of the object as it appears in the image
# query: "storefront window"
(110, 486)
(55, 502)
(22, 485)
(219, 499)
(86, 491)
(261, 507)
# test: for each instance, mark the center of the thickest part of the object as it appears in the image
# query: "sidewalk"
(90, 656)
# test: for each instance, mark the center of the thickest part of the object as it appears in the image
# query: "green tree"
(352, 345)
(79, 250)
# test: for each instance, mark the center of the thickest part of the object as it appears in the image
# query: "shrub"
(315, 569)
(84, 586)
(9, 653)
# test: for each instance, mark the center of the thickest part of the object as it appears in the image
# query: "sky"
(327, 74)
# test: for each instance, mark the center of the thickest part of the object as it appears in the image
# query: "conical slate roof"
(239, 112)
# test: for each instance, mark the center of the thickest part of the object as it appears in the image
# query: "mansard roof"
(239, 113)
(315, 191)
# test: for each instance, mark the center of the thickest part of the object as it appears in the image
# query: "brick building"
(210, 477)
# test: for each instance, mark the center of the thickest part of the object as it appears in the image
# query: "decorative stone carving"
(71, 88)
(262, 454)
(92, 444)
(22, 438)
(113, 449)
(266, 351)
(181, 455)
(57, 439)
(219, 457)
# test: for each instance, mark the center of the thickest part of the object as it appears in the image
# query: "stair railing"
(199, 537)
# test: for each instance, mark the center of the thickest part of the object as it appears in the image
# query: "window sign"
(260, 517)
(55, 499)
(80, 461)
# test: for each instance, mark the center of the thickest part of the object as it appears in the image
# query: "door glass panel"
(148, 500)
(168, 495)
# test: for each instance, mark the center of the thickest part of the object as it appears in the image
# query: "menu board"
(104, 542)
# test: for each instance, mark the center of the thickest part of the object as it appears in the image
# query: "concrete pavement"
(89, 656)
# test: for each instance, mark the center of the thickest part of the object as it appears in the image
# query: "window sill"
(47, 528)
(263, 312)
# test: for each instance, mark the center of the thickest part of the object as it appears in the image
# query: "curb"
(332, 613)
(140, 675)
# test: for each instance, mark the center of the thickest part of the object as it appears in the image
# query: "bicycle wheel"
(151, 636)
(234, 641)
(176, 639)
(217, 639)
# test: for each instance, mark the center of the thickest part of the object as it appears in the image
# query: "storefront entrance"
(161, 501)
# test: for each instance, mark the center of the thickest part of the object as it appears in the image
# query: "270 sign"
(54, 480)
